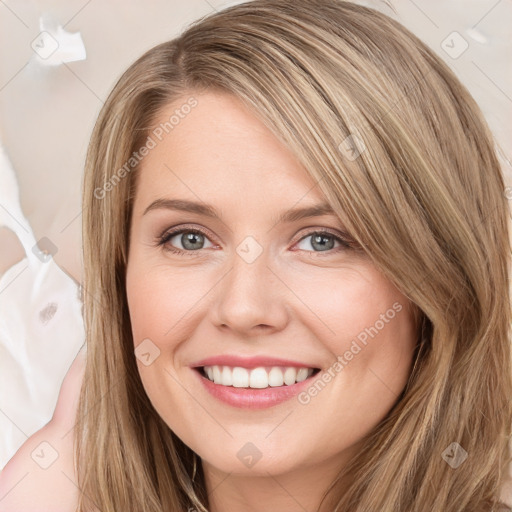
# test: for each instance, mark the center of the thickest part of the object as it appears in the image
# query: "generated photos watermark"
(157, 135)
(356, 346)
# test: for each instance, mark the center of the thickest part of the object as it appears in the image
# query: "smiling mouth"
(256, 378)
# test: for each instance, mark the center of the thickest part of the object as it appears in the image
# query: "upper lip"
(248, 362)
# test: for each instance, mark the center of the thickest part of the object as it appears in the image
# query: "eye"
(322, 241)
(191, 240)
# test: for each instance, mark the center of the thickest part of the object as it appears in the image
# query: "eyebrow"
(292, 215)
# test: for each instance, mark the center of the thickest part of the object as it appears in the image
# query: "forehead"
(219, 147)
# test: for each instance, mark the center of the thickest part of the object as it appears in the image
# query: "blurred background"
(58, 62)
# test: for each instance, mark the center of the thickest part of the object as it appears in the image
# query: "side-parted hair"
(425, 199)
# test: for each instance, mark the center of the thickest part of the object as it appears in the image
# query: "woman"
(296, 258)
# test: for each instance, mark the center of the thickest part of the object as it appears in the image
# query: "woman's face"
(257, 290)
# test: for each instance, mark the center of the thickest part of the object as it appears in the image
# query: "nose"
(251, 299)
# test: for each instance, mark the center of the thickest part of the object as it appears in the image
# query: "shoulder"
(41, 474)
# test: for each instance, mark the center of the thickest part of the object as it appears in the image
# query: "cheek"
(372, 358)
(354, 303)
(368, 327)
(159, 299)
(148, 301)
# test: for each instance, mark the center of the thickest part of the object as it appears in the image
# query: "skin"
(294, 301)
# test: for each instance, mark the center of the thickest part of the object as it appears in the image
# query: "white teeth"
(289, 376)
(227, 379)
(275, 377)
(257, 378)
(240, 377)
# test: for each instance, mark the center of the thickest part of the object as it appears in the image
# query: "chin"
(246, 458)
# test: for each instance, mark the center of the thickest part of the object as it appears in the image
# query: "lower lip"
(251, 398)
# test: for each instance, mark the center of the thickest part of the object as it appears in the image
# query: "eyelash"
(167, 235)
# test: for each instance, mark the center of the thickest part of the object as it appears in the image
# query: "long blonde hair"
(425, 199)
